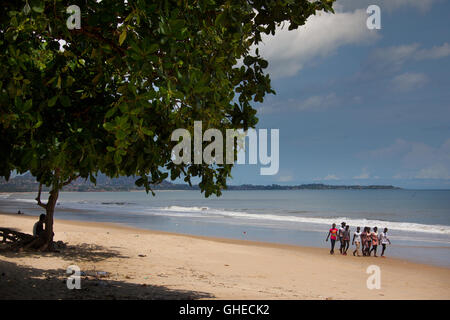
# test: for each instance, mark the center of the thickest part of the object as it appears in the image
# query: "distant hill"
(27, 183)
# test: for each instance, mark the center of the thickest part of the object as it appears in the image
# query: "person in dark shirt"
(341, 237)
(346, 238)
(38, 227)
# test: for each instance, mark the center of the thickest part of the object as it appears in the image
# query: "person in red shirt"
(332, 234)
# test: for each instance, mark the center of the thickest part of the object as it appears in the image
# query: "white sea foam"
(185, 209)
(197, 211)
(24, 200)
(402, 226)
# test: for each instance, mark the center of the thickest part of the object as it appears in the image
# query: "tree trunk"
(44, 242)
(50, 209)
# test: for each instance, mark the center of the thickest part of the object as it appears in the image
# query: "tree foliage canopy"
(134, 72)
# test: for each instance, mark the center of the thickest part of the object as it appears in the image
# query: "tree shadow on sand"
(81, 252)
(21, 282)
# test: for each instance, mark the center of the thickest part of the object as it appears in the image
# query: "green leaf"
(18, 103)
(177, 25)
(27, 8)
(117, 158)
(38, 124)
(65, 101)
(108, 126)
(52, 101)
(37, 6)
(153, 48)
(139, 182)
(110, 112)
(121, 135)
(27, 105)
(220, 19)
(264, 64)
(122, 36)
(163, 28)
(147, 132)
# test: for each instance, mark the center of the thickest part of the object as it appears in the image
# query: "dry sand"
(143, 264)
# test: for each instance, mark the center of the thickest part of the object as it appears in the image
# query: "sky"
(360, 106)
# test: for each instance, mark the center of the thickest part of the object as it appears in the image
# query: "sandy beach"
(119, 262)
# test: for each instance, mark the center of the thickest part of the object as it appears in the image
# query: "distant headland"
(27, 183)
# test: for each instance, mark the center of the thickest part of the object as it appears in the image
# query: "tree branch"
(65, 183)
(38, 198)
(99, 37)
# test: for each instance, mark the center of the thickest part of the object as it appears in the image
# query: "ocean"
(418, 220)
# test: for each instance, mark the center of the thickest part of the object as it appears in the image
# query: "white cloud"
(394, 57)
(436, 52)
(289, 51)
(312, 103)
(417, 159)
(364, 175)
(389, 5)
(318, 102)
(329, 177)
(285, 178)
(400, 146)
(408, 81)
(437, 171)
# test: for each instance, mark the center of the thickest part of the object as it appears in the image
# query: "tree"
(110, 97)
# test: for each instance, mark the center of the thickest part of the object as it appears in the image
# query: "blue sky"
(360, 106)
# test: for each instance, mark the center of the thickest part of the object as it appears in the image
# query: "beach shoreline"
(147, 264)
(296, 218)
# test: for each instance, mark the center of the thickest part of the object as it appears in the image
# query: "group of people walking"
(366, 240)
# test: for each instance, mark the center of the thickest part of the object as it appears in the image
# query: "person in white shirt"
(357, 240)
(384, 240)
